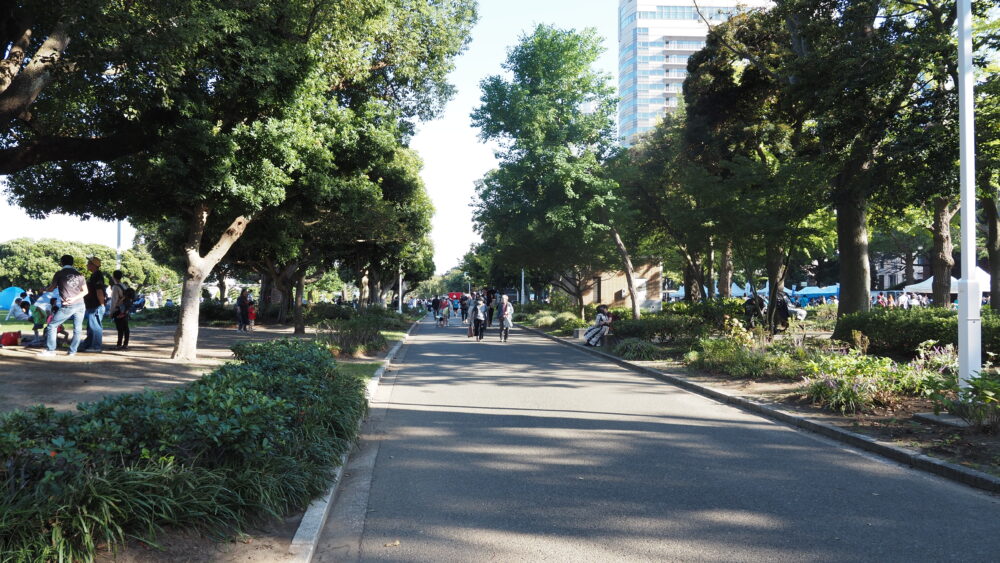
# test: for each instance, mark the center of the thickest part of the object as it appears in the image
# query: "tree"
(231, 119)
(554, 119)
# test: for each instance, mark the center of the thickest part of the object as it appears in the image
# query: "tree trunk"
(198, 268)
(726, 272)
(300, 286)
(689, 283)
(909, 259)
(776, 260)
(222, 289)
(991, 214)
(629, 273)
(942, 257)
(852, 242)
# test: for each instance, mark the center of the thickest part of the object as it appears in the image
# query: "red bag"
(10, 338)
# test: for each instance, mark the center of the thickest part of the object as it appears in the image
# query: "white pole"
(399, 298)
(524, 296)
(118, 256)
(969, 293)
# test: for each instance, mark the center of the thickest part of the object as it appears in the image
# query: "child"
(121, 314)
(252, 313)
(443, 312)
(39, 313)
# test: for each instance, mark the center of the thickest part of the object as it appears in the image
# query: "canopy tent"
(925, 286)
(734, 291)
(8, 296)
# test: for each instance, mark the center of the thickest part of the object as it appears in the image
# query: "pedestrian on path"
(478, 315)
(602, 324)
(505, 314)
(94, 302)
(444, 312)
(121, 314)
(72, 288)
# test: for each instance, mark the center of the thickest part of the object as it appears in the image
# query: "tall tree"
(554, 119)
(231, 119)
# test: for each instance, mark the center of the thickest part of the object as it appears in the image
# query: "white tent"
(925, 286)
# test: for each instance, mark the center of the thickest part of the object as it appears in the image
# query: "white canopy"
(925, 286)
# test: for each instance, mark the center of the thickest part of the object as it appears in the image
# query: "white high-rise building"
(655, 39)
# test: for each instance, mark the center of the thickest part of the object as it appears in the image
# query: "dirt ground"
(61, 382)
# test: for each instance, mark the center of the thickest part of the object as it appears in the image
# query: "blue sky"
(453, 156)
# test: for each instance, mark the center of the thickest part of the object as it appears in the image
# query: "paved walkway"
(531, 450)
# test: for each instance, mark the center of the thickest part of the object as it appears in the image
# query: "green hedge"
(900, 331)
(256, 437)
(663, 328)
(713, 312)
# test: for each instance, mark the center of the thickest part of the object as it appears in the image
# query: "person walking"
(242, 311)
(94, 301)
(120, 314)
(505, 316)
(72, 290)
(477, 314)
(464, 302)
(602, 324)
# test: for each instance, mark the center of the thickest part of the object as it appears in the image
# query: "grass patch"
(364, 370)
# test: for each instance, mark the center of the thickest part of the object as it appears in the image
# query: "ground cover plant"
(255, 438)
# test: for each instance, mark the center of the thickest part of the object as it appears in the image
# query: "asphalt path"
(533, 451)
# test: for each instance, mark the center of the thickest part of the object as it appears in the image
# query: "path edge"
(916, 460)
(303, 545)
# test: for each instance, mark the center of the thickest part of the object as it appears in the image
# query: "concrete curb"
(303, 545)
(954, 472)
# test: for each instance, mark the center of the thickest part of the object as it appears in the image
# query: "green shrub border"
(254, 438)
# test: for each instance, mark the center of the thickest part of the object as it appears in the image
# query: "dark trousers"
(479, 328)
(121, 323)
(489, 316)
(504, 331)
(465, 313)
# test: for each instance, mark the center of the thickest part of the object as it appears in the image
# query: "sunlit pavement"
(530, 450)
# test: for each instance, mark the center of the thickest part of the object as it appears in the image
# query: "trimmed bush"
(254, 438)
(637, 349)
(562, 319)
(544, 321)
(900, 331)
(713, 312)
(361, 334)
(664, 328)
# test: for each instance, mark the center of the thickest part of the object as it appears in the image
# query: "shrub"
(900, 331)
(856, 383)
(253, 438)
(567, 328)
(637, 349)
(731, 356)
(668, 328)
(713, 312)
(351, 337)
(317, 312)
(978, 404)
(544, 321)
(563, 318)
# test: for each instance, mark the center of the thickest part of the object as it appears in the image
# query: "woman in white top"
(505, 314)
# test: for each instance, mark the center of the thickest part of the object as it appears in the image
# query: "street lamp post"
(969, 292)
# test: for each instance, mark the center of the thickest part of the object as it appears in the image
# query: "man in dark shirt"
(72, 290)
(94, 302)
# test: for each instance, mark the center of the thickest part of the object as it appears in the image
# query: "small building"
(611, 288)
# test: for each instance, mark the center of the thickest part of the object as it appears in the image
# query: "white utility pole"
(970, 358)
(400, 292)
(118, 256)
(524, 296)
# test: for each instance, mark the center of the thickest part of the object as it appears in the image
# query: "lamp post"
(969, 292)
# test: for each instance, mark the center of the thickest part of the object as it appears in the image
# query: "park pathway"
(534, 451)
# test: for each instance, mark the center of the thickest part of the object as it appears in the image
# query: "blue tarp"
(8, 296)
